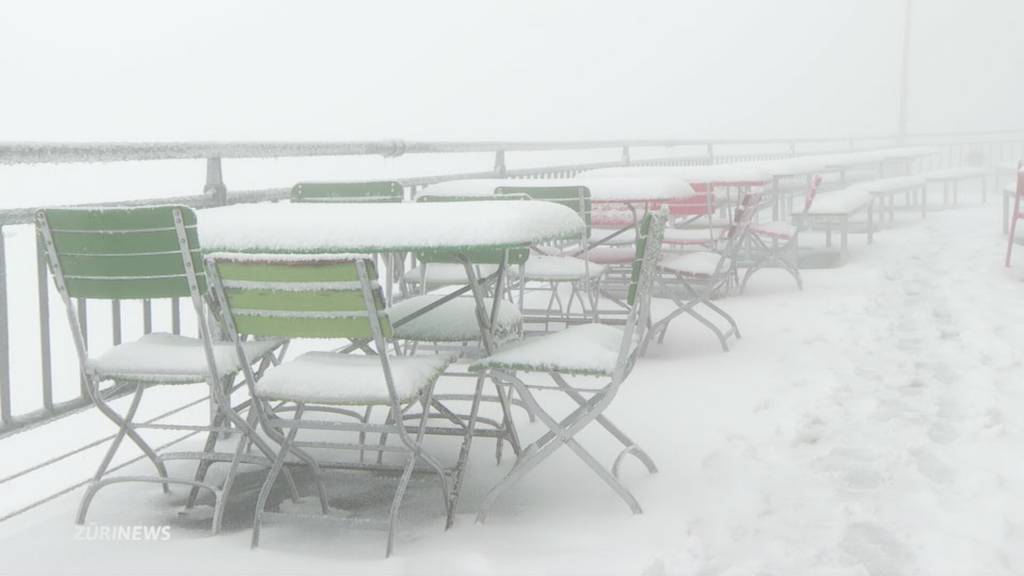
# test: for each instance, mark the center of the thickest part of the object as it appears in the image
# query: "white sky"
(486, 69)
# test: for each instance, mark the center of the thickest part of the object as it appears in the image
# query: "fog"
(194, 70)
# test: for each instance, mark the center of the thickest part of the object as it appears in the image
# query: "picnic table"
(456, 229)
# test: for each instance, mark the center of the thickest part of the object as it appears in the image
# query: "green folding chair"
(558, 263)
(591, 350)
(311, 296)
(118, 254)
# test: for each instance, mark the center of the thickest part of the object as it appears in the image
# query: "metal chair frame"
(563, 431)
(284, 430)
(225, 418)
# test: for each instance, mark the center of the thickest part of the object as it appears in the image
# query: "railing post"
(5, 351)
(710, 152)
(625, 156)
(43, 285)
(499, 163)
(214, 187)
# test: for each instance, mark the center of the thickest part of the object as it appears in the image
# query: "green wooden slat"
(292, 272)
(116, 218)
(641, 247)
(313, 301)
(127, 265)
(120, 243)
(347, 192)
(130, 289)
(308, 327)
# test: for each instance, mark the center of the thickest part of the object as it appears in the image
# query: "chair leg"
(129, 431)
(268, 484)
(630, 446)
(560, 432)
(467, 441)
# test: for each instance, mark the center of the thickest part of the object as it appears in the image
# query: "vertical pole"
(83, 319)
(44, 322)
(175, 316)
(905, 75)
(215, 188)
(499, 163)
(115, 320)
(5, 352)
(625, 156)
(147, 316)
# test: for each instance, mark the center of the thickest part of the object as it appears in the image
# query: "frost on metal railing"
(21, 257)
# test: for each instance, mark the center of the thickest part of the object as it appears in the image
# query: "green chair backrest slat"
(300, 298)
(477, 256)
(577, 198)
(340, 192)
(123, 253)
(641, 249)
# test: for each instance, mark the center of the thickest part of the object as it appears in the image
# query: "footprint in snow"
(875, 549)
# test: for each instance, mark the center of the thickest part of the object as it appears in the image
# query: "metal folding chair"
(596, 350)
(311, 296)
(144, 254)
(561, 263)
(776, 244)
(694, 279)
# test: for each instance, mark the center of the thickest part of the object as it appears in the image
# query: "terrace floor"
(867, 425)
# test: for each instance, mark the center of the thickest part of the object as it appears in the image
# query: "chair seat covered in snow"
(452, 321)
(611, 255)
(584, 349)
(560, 268)
(170, 358)
(552, 269)
(346, 379)
(696, 264)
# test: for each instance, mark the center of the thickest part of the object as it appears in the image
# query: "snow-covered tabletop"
(641, 187)
(285, 227)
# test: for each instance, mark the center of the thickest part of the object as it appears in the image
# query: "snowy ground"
(863, 426)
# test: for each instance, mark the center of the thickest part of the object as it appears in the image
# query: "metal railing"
(215, 193)
(955, 148)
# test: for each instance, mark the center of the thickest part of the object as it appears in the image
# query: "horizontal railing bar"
(26, 215)
(68, 152)
(74, 487)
